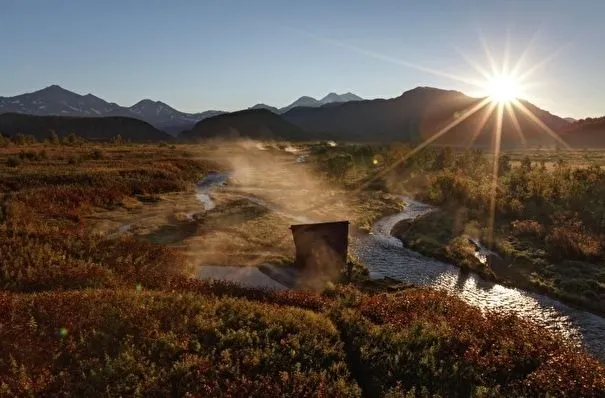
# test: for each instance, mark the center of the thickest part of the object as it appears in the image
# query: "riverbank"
(445, 235)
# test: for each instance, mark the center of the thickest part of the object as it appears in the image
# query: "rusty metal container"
(321, 249)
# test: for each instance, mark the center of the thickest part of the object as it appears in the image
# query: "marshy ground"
(266, 190)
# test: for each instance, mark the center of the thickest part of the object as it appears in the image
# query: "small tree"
(526, 164)
(70, 139)
(117, 140)
(53, 138)
(4, 142)
(444, 159)
(24, 139)
(29, 139)
(504, 165)
(19, 139)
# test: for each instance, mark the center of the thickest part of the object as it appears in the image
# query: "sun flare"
(503, 88)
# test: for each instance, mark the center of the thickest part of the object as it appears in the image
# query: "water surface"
(384, 255)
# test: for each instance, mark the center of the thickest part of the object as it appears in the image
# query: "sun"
(503, 88)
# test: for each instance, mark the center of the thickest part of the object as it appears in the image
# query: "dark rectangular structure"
(321, 248)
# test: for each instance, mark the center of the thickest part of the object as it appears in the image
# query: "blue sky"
(200, 55)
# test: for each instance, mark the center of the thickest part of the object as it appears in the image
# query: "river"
(384, 255)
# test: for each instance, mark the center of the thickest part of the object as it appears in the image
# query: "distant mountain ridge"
(249, 123)
(586, 133)
(90, 128)
(418, 114)
(57, 101)
(165, 117)
(310, 102)
(413, 117)
(265, 106)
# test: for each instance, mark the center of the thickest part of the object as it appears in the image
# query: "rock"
(401, 228)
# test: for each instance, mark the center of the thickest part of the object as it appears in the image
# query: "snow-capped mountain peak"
(311, 102)
(55, 100)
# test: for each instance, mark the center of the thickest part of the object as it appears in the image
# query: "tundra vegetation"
(548, 219)
(83, 314)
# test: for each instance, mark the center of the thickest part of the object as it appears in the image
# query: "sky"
(229, 55)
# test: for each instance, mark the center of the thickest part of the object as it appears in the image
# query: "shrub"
(4, 142)
(572, 241)
(24, 139)
(71, 139)
(460, 251)
(92, 343)
(13, 161)
(37, 262)
(426, 340)
(53, 138)
(117, 140)
(33, 155)
(96, 154)
(529, 228)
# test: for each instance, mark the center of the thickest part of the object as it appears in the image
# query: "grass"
(90, 315)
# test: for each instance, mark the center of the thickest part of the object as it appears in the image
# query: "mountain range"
(415, 116)
(250, 123)
(57, 101)
(419, 113)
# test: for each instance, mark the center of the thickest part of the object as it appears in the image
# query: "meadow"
(85, 313)
(547, 224)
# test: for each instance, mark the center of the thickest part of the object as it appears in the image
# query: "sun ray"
(475, 65)
(506, 60)
(488, 54)
(494, 186)
(467, 113)
(486, 114)
(540, 64)
(524, 54)
(516, 125)
(376, 55)
(540, 123)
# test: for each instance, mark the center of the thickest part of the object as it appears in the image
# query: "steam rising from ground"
(267, 192)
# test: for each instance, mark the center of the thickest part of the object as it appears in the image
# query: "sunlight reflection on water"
(385, 256)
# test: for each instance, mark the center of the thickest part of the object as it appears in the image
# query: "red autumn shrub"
(428, 340)
(125, 343)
